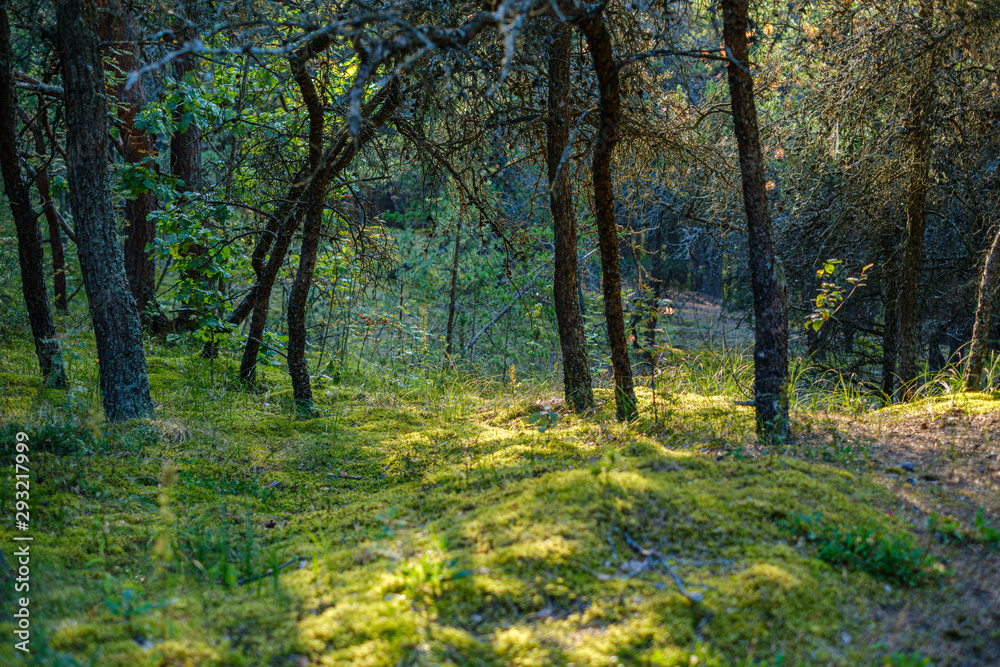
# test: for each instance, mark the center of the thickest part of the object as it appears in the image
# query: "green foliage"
(544, 419)
(124, 599)
(64, 429)
(831, 296)
(425, 580)
(888, 558)
(949, 530)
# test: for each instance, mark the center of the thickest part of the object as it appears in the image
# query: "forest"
(510, 332)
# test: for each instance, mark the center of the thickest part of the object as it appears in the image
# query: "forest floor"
(442, 519)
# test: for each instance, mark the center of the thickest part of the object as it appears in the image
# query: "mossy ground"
(424, 520)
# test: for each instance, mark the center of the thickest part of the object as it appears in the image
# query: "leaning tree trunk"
(287, 213)
(117, 29)
(576, 366)
(595, 30)
(124, 382)
(315, 203)
(38, 129)
(770, 303)
(984, 314)
(918, 128)
(29, 241)
(335, 160)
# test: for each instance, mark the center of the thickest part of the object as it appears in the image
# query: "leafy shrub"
(58, 436)
(887, 558)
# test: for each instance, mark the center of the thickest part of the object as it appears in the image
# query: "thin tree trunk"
(890, 331)
(767, 282)
(654, 246)
(51, 215)
(577, 381)
(335, 160)
(315, 200)
(595, 30)
(117, 28)
(454, 278)
(918, 118)
(186, 163)
(290, 207)
(984, 315)
(124, 382)
(29, 242)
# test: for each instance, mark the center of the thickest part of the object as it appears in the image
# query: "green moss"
(431, 523)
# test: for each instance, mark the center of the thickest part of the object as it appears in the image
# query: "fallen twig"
(654, 555)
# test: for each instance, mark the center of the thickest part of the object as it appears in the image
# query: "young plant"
(887, 558)
(831, 297)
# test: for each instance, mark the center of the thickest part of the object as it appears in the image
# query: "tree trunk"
(984, 314)
(315, 203)
(117, 28)
(890, 331)
(185, 163)
(51, 215)
(767, 282)
(565, 290)
(29, 242)
(598, 38)
(124, 383)
(335, 160)
(454, 278)
(917, 126)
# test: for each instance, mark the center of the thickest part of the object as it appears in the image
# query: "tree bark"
(117, 28)
(565, 290)
(917, 126)
(315, 203)
(186, 162)
(51, 215)
(984, 315)
(890, 331)
(124, 382)
(29, 242)
(767, 282)
(595, 30)
(450, 330)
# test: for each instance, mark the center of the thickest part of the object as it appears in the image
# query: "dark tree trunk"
(890, 331)
(185, 164)
(598, 38)
(334, 161)
(315, 200)
(565, 289)
(185, 143)
(51, 215)
(770, 302)
(918, 128)
(984, 314)
(452, 297)
(124, 383)
(288, 212)
(117, 29)
(29, 241)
